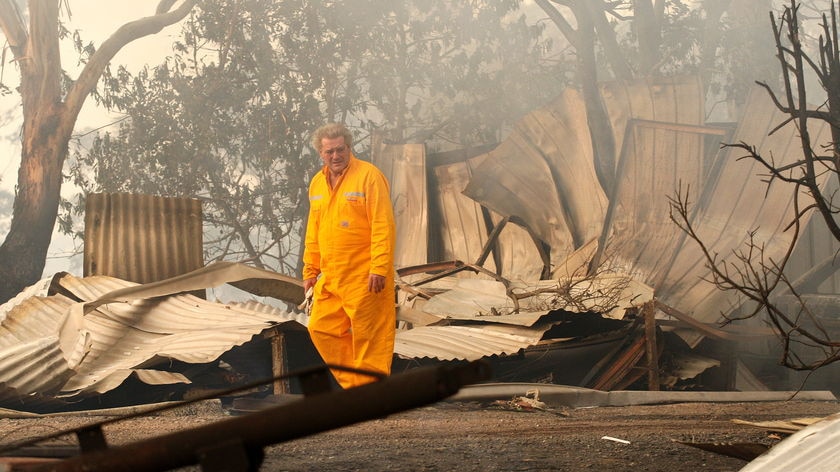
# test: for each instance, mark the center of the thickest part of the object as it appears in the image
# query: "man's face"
(335, 154)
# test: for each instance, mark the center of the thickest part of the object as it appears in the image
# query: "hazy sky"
(95, 20)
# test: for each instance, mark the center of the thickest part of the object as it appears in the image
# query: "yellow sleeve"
(382, 226)
(311, 249)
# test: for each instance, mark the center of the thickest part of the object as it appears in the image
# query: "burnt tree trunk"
(49, 116)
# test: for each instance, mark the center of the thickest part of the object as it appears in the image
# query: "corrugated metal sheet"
(38, 289)
(142, 238)
(480, 300)
(405, 168)
(735, 203)
(544, 171)
(560, 133)
(517, 253)
(488, 300)
(516, 180)
(677, 99)
(460, 231)
(811, 449)
(31, 360)
(639, 237)
(53, 346)
(463, 231)
(127, 335)
(465, 342)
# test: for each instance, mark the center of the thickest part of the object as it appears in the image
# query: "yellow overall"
(349, 235)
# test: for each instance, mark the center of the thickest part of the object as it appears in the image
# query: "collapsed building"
(619, 246)
(513, 253)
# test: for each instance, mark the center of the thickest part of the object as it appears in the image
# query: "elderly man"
(348, 259)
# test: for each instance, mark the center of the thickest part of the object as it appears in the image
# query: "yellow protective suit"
(349, 235)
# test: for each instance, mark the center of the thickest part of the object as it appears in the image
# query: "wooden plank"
(651, 351)
(279, 362)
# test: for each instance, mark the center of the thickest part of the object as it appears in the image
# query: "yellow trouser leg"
(354, 329)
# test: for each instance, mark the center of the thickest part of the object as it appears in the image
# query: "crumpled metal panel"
(488, 300)
(465, 342)
(495, 329)
(31, 359)
(516, 252)
(463, 231)
(128, 335)
(479, 300)
(639, 237)
(735, 203)
(561, 134)
(38, 289)
(54, 346)
(543, 173)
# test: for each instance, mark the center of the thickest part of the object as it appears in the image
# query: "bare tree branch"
(164, 16)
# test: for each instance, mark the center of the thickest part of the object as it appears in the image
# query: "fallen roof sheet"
(735, 205)
(489, 301)
(639, 237)
(465, 342)
(463, 231)
(56, 345)
(656, 127)
(523, 186)
(461, 227)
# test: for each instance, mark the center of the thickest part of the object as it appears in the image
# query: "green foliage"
(227, 117)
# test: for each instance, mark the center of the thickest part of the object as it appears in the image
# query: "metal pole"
(310, 415)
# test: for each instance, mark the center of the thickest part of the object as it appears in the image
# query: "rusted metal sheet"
(404, 166)
(142, 238)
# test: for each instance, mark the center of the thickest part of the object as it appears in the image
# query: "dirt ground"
(470, 436)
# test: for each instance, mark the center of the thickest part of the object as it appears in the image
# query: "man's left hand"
(376, 283)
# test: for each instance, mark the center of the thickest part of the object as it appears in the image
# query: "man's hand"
(308, 286)
(376, 283)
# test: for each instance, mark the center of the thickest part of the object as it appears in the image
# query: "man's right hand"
(309, 283)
